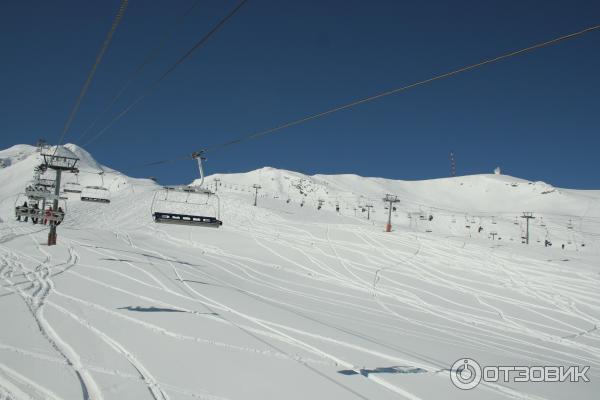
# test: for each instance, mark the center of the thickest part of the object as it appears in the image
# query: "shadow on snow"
(383, 370)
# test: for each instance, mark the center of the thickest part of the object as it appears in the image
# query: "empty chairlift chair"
(188, 205)
(96, 194)
(73, 187)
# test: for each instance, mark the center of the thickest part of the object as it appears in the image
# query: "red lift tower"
(391, 199)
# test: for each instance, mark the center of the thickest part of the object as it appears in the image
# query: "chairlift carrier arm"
(199, 157)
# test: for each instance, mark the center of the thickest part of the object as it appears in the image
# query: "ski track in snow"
(350, 280)
(41, 287)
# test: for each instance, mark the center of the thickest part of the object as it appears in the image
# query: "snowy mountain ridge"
(437, 193)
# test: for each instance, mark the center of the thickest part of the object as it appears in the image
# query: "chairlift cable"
(403, 88)
(378, 96)
(150, 57)
(153, 85)
(88, 81)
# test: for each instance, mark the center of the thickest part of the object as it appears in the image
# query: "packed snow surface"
(300, 297)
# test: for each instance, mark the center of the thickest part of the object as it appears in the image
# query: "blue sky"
(535, 115)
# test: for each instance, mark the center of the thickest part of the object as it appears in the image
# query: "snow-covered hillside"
(289, 301)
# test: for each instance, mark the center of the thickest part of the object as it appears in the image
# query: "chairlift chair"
(48, 183)
(188, 205)
(428, 228)
(183, 206)
(37, 213)
(73, 187)
(36, 192)
(96, 194)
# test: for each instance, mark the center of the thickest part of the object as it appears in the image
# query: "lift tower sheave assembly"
(391, 199)
(58, 159)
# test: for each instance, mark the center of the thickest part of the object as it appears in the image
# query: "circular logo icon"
(465, 373)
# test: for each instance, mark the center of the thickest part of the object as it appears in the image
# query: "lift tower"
(368, 207)
(59, 159)
(256, 187)
(527, 216)
(391, 199)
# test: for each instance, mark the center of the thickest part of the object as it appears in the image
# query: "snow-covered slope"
(288, 301)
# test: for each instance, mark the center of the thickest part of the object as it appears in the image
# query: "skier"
(48, 215)
(480, 229)
(26, 208)
(34, 218)
(60, 215)
(20, 208)
(563, 246)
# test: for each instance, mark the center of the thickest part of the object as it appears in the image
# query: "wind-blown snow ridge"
(287, 300)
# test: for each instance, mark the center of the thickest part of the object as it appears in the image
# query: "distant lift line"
(387, 93)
